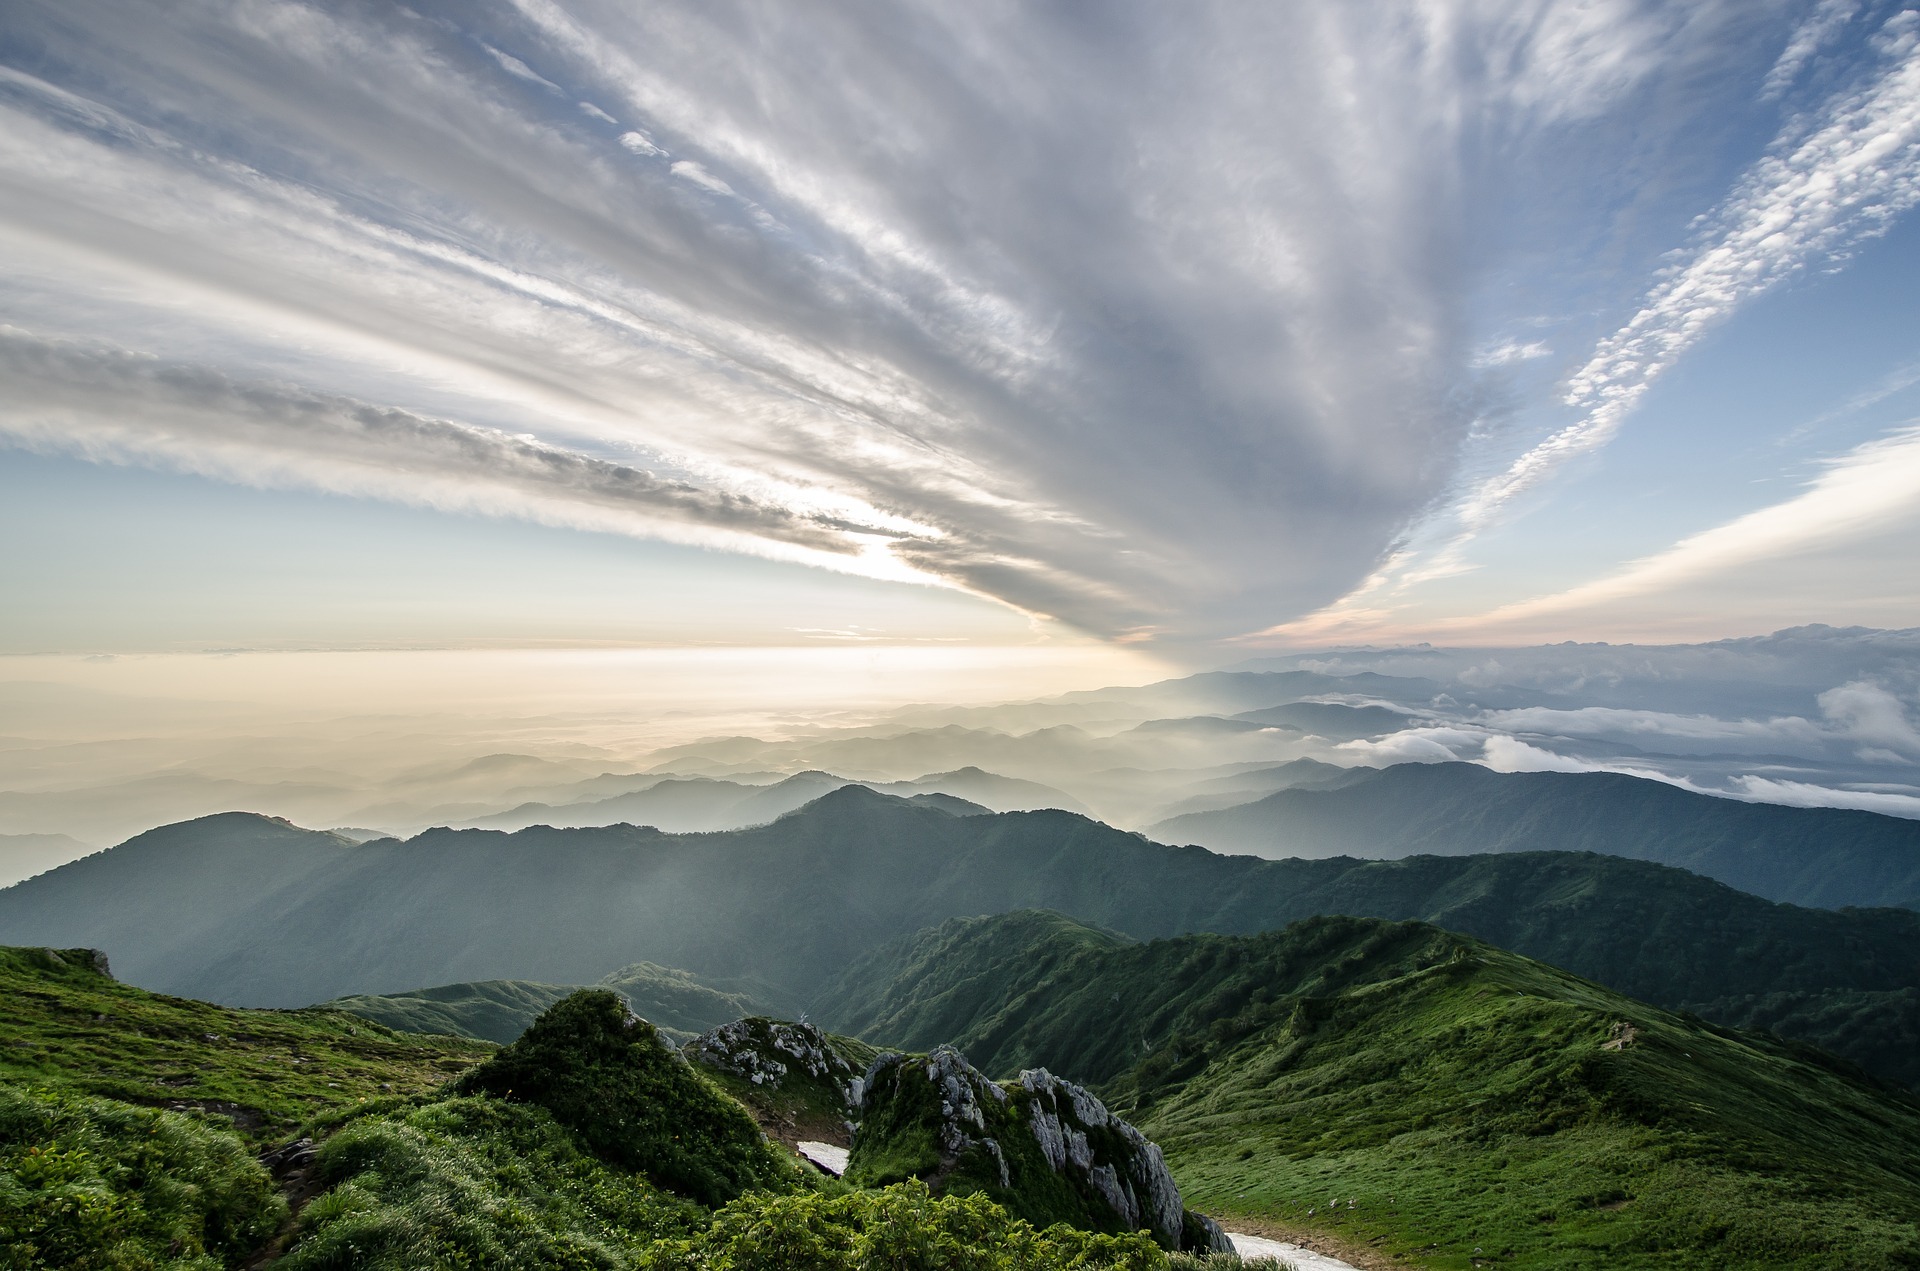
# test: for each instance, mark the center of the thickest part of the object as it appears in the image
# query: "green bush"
(472, 1183)
(899, 1228)
(96, 1185)
(606, 1075)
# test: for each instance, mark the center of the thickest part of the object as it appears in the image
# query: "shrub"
(96, 1185)
(605, 1074)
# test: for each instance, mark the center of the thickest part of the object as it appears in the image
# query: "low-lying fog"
(695, 740)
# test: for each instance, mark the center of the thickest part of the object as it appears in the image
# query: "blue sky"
(1194, 328)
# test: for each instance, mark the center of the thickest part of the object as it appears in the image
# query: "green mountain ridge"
(586, 1144)
(675, 1002)
(1808, 856)
(799, 901)
(1404, 1088)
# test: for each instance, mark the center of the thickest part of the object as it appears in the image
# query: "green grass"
(899, 1228)
(487, 1010)
(97, 1185)
(478, 1182)
(607, 1076)
(1475, 1106)
(269, 1072)
(560, 1164)
(1466, 1097)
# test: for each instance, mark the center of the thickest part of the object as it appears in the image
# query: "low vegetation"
(605, 1074)
(1461, 1104)
(266, 1073)
(98, 1185)
(131, 1126)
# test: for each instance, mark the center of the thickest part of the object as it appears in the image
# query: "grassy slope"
(269, 1071)
(490, 1010)
(676, 1002)
(537, 1180)
(1464, 1096)
(1473, 1106)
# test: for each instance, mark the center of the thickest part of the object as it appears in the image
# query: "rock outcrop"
(1045, 1148)
(770, 1052)
(800, 1083)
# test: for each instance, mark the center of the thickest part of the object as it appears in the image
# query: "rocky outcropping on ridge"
(1045, 1148)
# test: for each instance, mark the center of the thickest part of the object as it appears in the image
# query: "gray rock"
(1112, 1166)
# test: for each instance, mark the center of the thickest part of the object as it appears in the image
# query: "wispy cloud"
(1815, 32)
(1151, 320)
(1870, 487)
(1824, 187)
(115, 406)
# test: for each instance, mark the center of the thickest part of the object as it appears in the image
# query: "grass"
(555, 1159)
(97, 1185)
(1491, 1110)
(268, 1072)
(606, 1075)
(478, 1182)
(1463, 1104)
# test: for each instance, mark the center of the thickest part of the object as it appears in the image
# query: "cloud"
(1804, 795)
(1869, 714)
(1507, 352)
(1443, 744)
(115, 406)
(1816, 30)
(1609, 721)
(1823, 187)
(1509, 754)
(1870, 488)
(1152, 320)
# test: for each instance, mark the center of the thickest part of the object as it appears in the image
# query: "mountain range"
(1810, 856)
(249, 911)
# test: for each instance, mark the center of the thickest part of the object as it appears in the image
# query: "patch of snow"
(828, 1157)
(1292, 1255)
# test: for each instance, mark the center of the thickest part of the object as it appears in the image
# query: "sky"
(1092, 338)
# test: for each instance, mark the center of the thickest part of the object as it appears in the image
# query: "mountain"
(1415, 1092)
(989, 790)
(24, 855)
(488, 1010)
(798, 901)
(1809, 856)
(131, 1129)
(686, 805)
(159, 897)
(678, 805)
(1335, 721)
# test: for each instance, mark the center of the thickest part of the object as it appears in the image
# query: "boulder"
(1045, 1148)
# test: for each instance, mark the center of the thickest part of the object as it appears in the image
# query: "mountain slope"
(673, 1001)
(1810, 856)
(545, 1163)
(1457, 1099)
(801, 899)
(69, 1023)
(155, 899)
(24, 855)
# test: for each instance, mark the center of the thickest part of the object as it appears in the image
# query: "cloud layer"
(1152, 319)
